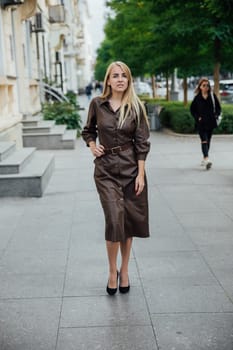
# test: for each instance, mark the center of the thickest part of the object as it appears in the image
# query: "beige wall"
(17, 97)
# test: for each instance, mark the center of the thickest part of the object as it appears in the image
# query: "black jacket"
(204, 109)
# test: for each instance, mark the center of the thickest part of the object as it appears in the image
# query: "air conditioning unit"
(5, 3)
(57, 14)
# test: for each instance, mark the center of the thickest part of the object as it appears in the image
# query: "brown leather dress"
(126, 215)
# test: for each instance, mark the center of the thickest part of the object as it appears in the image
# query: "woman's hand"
(97, 151)
(139, 184)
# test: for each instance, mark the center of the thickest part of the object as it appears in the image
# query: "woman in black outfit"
(205, 108)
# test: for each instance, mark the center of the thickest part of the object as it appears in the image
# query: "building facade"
(42, 43)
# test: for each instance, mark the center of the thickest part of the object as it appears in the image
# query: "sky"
(97, 10)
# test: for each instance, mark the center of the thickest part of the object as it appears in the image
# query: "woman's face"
(204, 86)
(118, 79)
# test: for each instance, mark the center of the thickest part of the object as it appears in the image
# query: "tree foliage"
(104, 58)
(158, 36)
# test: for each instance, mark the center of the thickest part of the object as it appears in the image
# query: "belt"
(118, 149)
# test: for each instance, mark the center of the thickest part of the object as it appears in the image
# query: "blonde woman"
(118, 119)
(205, 108)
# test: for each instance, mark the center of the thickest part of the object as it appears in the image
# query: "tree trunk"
(167, 89)
(185, 87)
(153, 84)
(216, 77)
(217, 65)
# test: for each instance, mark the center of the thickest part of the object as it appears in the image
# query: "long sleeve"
(89, 132)
(194, 109)
(217, 105)
(141, 143)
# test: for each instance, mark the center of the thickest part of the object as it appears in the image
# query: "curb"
(172, 133)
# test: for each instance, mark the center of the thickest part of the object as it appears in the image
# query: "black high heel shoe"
(124, 290)
(112, 291)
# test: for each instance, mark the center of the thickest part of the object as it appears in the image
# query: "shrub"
(64, 113)
(72, 97)
(165, 117)
(182, 122)
(226, 126)
(176, 116)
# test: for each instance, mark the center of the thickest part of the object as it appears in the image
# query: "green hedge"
(226, 126)
(177, 117)
(64, 113)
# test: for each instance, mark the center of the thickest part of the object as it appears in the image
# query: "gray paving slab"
(176, 274)
(123, 310)
(206, 221)
(5, 237)
(202, 331)
(31, 285)
(163, 298)
(50, 238)
(53, 262)
(29, 261)
(27, 324)
(105, 338)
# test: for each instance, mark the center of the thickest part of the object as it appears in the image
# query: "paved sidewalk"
(53, 263)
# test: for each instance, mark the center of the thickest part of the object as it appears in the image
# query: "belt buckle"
(116, 149)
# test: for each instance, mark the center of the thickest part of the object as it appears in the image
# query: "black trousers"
(205, 136)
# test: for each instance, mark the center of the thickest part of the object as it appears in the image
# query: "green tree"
(130, 34)
(201, 34)
(220, 34)
(160, 35)
(104, 58)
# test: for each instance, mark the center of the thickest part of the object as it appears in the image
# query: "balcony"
(56, 14)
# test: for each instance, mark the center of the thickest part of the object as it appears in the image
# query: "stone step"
(58, 129)
(6, 148)
(32, 121)
(32, 180)
(69, 139)
(31, 116)
(42, 127)
(16, 161)
(52, 139)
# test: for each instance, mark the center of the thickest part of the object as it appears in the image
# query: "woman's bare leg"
(112, 251)
(125, 255)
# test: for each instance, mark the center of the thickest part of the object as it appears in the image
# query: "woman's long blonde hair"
(130, 100)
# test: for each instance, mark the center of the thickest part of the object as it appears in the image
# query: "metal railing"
(51, 93)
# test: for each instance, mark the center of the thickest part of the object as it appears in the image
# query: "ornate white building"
(41, 42)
